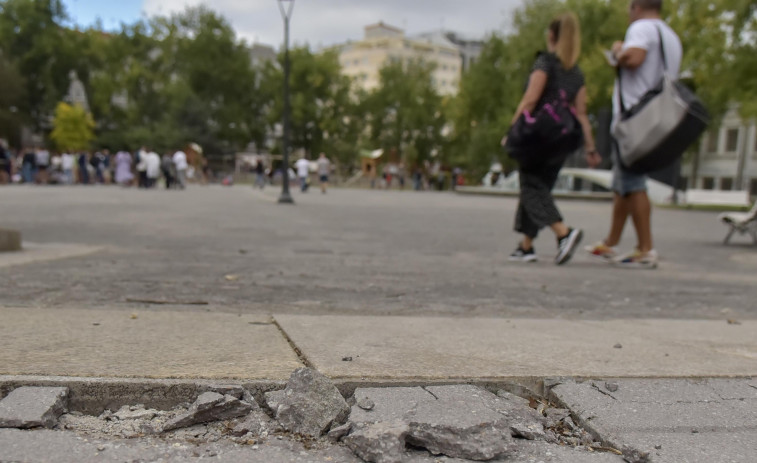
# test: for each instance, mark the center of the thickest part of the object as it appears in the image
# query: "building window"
(753, 187)
(732, 140)
(726, 183)
(712, 142)
(708, 183)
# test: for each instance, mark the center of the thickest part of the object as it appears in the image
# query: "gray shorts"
(624, 182)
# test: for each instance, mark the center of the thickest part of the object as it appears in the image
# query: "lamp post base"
(286, 198)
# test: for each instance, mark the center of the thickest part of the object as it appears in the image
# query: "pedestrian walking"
(96, 161)
(43, 165)
(123, 175)
(141, 167)
(324, 169)
(29, 166)
(81, 163)
(180, 163)
(641, 65)
(303, 172)
(555, 75)
(152, 170)
(67, 163)
(260, 173)
(169, 170)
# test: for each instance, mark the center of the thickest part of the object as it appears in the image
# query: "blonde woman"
(555, 76)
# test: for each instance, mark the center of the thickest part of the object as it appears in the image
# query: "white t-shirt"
(303, 167)
(152, 163)
(43, 158)
(67, 161)
(644, 34)
(180, 160)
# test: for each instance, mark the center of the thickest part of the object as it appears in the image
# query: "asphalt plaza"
(353, 252)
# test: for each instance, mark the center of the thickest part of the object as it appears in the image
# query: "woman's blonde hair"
(567, 34)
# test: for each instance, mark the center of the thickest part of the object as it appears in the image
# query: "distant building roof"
(382, 30)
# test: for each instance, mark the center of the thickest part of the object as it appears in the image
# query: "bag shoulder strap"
(664, 67)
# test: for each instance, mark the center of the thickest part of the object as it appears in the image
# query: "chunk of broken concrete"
(33, 407)
(336, 434)
(464, 422)
(309, 405)
(457, 421)
(210, 406)
(534, 431)
(379, 442)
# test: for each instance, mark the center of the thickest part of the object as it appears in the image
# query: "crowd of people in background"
(143, 168)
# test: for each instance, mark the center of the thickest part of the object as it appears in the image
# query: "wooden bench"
(717, 198)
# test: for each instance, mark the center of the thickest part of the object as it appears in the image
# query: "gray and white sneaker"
(521, 255)
(567, 245)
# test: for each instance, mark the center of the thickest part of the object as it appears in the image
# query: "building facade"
(727, 157)
(382, 43)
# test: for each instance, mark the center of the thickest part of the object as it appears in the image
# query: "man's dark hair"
(648, 5)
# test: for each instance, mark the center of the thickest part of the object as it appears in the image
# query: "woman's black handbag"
(547, 135)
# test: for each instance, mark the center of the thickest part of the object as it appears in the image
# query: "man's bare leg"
(641, 213)
(621, 209)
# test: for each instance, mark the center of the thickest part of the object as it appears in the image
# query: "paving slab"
(33, 407)
(142, 344)
(450, 348)
(699, 426)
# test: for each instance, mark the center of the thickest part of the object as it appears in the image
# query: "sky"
(317, 22)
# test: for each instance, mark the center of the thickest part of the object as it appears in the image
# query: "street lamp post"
(286, 7)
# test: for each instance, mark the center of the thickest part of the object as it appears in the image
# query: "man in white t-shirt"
(180, 161)
(67, 162)
(303, 172)
(641, 65)
(152, 163)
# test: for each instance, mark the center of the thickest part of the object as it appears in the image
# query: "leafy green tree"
(11, 97)
(73, 128)
(406, 113)
(323, 117)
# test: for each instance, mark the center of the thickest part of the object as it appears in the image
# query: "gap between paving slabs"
(378, 424)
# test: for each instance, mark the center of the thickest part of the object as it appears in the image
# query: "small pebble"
(366, 404)
(618, 346)
(658, 447)
(346, 359)
(612, 387)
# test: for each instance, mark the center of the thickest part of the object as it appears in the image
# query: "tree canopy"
(169, 80)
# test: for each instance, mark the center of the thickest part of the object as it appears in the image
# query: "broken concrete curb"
(210, 406)
(309, 405)
(379, 442)
(33, 407)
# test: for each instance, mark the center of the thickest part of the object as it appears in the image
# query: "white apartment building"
(727, 157)
(382, 43)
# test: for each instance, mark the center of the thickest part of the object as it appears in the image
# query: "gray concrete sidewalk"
(681, 421)
(210, 345)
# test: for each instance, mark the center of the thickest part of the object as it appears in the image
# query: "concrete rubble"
(457, 421)
(210, 406)
(386, 425)
(33, 407)
(309, 405)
